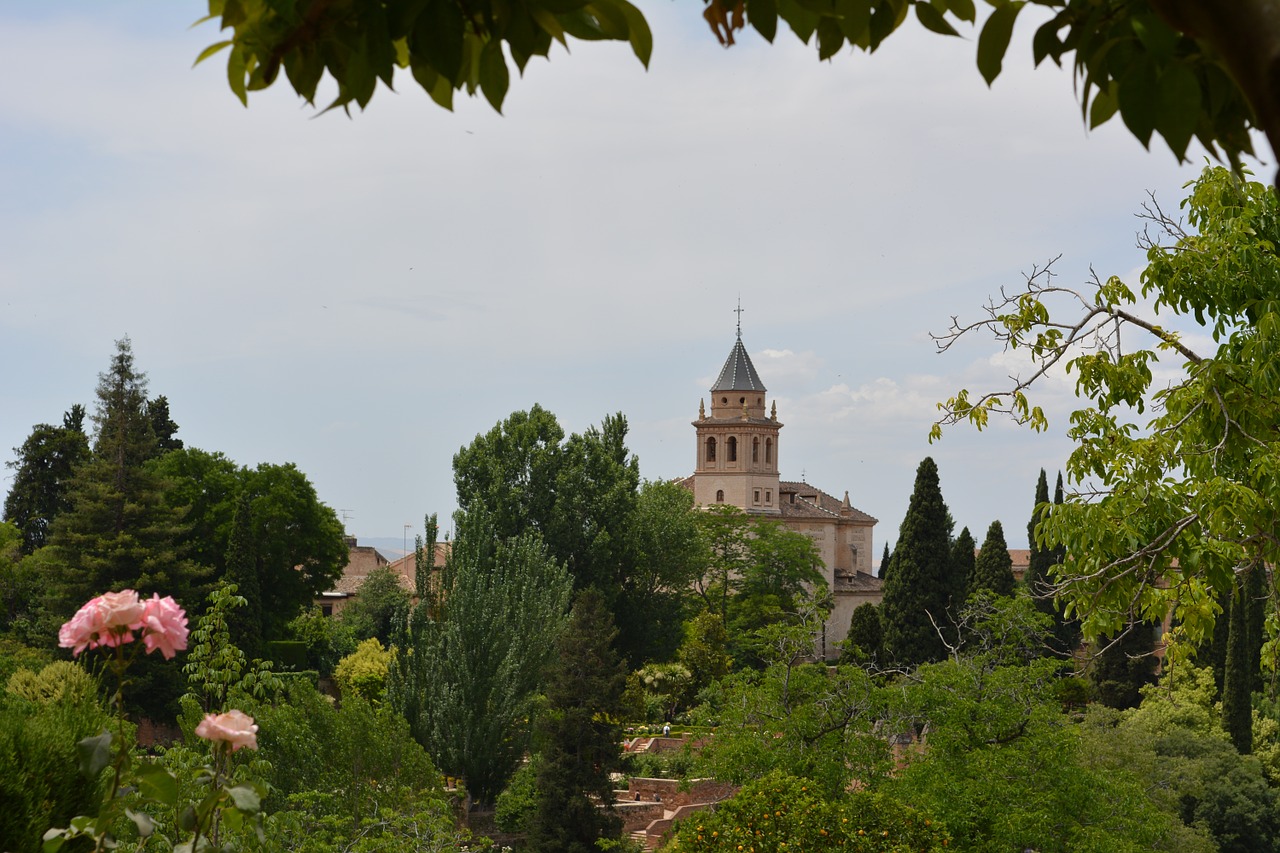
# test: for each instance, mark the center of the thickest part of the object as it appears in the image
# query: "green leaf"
(210, 51)
(933, 21)
(962, 9)
(143, 821)
(1138, 97)
(437, 38)
(494, 77)
(641, 36)
(1179, 107)
(830, 38)
(1046, 43)
(95, 754)
(993, 42)
(763, 16)
(156, 783)
(245, 798)
(1102, 108)
(855, 21)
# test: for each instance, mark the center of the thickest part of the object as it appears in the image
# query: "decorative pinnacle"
(738, 311)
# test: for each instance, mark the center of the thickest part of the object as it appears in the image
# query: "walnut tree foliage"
(1178, 479)
(1180, 69)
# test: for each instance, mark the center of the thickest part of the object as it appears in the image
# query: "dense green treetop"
(1179, 481)
(473, 658)
(580, 735)
(963, 554)
(1176, 68)
(43, 466)
(918, 590)
(993, 568)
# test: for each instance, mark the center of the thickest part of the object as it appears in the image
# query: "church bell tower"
(737, 461)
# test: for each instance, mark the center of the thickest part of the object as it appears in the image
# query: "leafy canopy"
(1180, 69)
(1180, 479)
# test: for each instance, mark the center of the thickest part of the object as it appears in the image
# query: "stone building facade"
(738, 452)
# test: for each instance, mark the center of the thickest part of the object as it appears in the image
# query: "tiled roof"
(362, 559)
(738, 373)
(812, 502)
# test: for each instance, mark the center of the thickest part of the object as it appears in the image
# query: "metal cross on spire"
(738, 311)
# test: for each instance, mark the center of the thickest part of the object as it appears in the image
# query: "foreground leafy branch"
(1170, 508)
(1179, 69)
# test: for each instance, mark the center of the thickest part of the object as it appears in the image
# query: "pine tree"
(962, 564)
(1237, 708)
(119, 531)
(993, 568)
(162, 426)
(919, 586)
(581, 735)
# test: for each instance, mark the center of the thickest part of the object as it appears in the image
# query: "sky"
(362, 296)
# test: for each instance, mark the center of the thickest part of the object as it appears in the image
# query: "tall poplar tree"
(919, 586)
(993, 568)
(473, 658)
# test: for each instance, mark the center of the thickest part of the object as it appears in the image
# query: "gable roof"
(812, 502)
(738, 373)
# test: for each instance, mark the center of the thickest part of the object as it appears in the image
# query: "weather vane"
(738, 311)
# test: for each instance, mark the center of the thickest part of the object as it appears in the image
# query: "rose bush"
(110, 620)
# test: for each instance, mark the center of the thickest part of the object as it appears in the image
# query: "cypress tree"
(919, 585)
(993, 568)
(581, 735)
(884, 562)
(244, 623)
(1237, 710)
(1255, 588)
(1041, 559)
(962, 563)
(865, 643)
(1119, 672)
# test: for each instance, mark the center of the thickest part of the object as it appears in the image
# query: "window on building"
(326, 609)
(756, 498)
(711, 449)
(731, 449)
(755, 450)
(719, 496)
(768, 496)
(768, 451)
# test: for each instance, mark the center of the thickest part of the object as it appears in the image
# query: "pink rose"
(234, 727)
(164, 626)
(108, 620)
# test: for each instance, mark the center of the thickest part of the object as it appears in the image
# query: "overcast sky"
(363, 296)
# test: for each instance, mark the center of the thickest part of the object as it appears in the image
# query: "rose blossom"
(108, 620)
(234, 727)
(164, 626)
